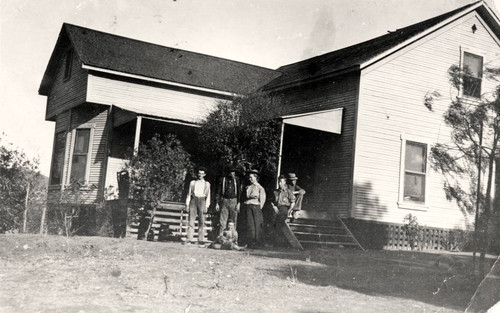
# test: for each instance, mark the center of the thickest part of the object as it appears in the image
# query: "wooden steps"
(173, 214)
(315, 233)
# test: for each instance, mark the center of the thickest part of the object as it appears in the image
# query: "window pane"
(472, 86)
(414, 187)
(415, 157)
(78, 167)
(473, 73)
(58, 158)
(82, 141)
(473, 65)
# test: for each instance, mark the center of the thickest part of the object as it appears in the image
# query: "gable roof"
(354, 56)
(125, 55)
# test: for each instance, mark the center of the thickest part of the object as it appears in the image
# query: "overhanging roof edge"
(311, 113)
(159, 118)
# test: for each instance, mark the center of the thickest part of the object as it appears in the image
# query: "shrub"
(412, 230)
(246, 132)
(73, 213)
(460, 240)
(158, 170)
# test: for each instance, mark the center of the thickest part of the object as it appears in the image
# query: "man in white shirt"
(197, 203)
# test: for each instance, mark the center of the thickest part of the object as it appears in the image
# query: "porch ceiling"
(328, 121)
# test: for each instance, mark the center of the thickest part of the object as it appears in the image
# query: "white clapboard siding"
(162, 102)
(391, 104)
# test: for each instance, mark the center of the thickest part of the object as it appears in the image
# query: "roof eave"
(423, 34)
(309, 80)
(155, 80)
(51, 69)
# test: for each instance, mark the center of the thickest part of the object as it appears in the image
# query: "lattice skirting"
(376, 235)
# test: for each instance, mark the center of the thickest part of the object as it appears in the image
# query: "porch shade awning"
(328, 121)
(124, 114)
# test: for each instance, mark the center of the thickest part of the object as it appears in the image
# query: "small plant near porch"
(412, 230)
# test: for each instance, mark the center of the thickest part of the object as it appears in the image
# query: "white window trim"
(89, 153)
(475, 51)
(402, 204)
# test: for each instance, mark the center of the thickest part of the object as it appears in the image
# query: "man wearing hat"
(297, 191)
(228, 198)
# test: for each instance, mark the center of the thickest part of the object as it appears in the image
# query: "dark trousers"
(282, 214)
(227, 212)
(254, 224)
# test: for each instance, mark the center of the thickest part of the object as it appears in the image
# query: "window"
(473, 74)
(415, 172)
(69, 62)
(56, 170)
(80, 155)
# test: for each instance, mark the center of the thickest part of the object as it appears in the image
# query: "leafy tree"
(21, 187)
(158, 170)
(472, 153)
(246, 132)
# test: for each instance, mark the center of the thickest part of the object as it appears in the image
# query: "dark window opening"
(56, 170)
(69, 62)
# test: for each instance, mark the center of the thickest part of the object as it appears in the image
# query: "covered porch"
(310, 148)
(131, 128)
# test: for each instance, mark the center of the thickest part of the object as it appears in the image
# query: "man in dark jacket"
(228, 199)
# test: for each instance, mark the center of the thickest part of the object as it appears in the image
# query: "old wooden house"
(374, 168)
(107, 94)
(356, 130)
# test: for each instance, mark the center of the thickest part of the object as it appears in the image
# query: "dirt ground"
(95, 274)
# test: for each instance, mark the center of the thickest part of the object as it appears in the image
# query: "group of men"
(230, 193)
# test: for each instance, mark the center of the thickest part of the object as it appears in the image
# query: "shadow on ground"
(443, 280)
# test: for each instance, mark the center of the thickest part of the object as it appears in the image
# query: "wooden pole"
(25, 216)
(478, 196)
(137, 134)
(281, 152)
(42, 221)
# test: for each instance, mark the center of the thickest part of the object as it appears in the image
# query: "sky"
(268, 33)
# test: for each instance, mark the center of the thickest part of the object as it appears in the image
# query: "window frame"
(402, 202)
(53, 161)
(72, 153)
(476, 53)
(68, 64)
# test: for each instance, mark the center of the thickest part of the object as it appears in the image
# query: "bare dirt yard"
(95, 274)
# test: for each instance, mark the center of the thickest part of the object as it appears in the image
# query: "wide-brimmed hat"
(256, 172)
(292, 176)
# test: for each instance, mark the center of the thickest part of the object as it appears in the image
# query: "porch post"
(137, 134)
(281, 151)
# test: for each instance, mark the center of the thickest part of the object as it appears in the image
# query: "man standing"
(228, 199)
(298, 193)
(197, 203)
